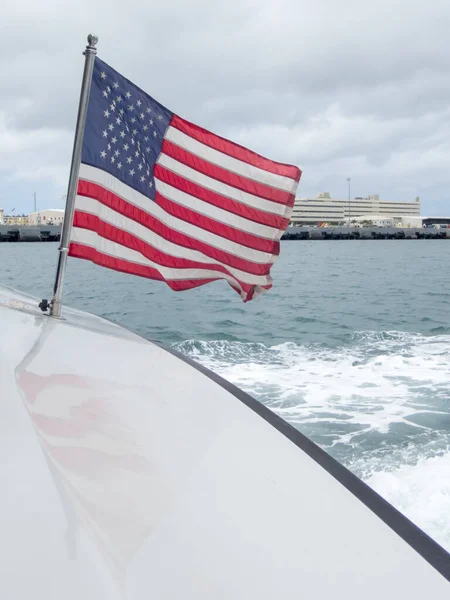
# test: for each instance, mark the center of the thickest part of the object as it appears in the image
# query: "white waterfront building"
(48, 216)
(324, 209)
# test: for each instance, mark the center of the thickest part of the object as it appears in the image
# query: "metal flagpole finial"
(92, 42)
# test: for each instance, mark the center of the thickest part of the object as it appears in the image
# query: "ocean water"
(351, 346)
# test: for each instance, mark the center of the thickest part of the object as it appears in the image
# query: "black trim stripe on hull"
(421, 542)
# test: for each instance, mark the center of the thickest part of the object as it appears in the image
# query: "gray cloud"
(342, 88)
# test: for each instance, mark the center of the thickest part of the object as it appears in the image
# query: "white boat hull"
(129, 472)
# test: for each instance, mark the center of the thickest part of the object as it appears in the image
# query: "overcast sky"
(341, 88)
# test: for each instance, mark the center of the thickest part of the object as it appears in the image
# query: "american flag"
(162, 198)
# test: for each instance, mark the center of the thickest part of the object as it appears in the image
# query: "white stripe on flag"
(93, 207)
(229, 163)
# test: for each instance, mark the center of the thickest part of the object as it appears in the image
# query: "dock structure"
(52, 233)
(364, 233)
(30, 233)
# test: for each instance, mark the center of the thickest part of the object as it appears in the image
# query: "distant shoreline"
(364, 233)
(52, 233)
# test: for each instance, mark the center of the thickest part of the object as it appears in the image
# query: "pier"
(365, 233)
(52, 233)
(30, 233)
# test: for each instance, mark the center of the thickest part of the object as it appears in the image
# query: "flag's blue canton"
(124, 129)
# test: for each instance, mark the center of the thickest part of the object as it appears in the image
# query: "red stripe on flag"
(108, 198)
(228, 177)
(116, 264)
(235, 150)
(232, 206)
(128, 240)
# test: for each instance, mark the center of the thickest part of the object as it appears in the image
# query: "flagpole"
(89, 53)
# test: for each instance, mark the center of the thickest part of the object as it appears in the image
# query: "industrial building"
(424, 221)
(375, 220)
(406, 221)
(15, 220)
(324, 209)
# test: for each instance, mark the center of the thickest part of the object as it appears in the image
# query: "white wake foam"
(358, 400)
(421, 492)
(377, 381)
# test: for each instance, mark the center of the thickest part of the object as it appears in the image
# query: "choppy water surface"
(352, 346)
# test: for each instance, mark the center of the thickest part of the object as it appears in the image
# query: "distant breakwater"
(52, 233)
(30, 233)
(364, 233)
